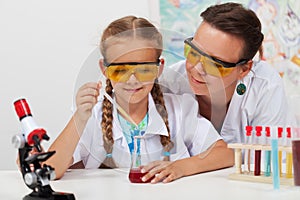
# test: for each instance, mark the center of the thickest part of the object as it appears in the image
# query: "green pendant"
(241, 89)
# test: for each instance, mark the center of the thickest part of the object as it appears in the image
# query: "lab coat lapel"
(156, 125)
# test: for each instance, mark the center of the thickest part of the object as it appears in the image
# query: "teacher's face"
(221, 46)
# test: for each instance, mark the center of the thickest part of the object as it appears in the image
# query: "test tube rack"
(242, 175)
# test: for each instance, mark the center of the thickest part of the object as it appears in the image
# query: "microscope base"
(53, 196)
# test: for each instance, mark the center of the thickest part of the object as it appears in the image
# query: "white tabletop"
(102, 184)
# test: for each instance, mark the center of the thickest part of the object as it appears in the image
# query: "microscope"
(36, 175)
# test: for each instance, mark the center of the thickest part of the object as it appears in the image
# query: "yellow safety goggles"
(211, 65)
(121, 72)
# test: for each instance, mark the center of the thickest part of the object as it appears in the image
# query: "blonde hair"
(130, 27)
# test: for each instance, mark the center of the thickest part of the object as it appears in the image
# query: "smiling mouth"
(197, 81)
(132, 89)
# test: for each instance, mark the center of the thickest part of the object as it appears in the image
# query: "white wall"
(44, 46)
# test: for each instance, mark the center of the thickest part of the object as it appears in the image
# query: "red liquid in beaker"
(135, 176)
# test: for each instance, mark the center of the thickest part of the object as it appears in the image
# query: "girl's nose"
(132, 79)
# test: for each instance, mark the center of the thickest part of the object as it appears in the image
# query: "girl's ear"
(102, 67)
(245, 69)
(161, 66)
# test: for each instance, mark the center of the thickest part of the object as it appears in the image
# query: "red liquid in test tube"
(257, 159)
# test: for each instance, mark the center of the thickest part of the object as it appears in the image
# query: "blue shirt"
(130, 130)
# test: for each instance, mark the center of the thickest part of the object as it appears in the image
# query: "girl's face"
(135, 89)
(221, 46)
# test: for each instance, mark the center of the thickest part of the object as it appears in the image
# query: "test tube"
(268, 152)
(274, 154)
(289, 155)
(257, 157)
(120, 109)
(280, 130)
(247, 151)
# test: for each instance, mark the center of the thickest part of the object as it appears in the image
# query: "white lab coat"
(191, 134)
(263, 104)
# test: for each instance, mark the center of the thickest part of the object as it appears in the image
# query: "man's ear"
(102, 67)
(161, 66)
(245, 69)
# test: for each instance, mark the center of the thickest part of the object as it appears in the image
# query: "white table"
(103, 184)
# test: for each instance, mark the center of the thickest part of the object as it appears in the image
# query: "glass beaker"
(138, 160)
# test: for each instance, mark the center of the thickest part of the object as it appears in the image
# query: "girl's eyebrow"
(132, 63)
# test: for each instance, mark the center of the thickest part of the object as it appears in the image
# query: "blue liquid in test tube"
(275, 164)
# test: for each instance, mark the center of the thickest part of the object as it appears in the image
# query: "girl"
(100, 135)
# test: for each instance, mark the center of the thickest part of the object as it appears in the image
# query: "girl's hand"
(32, 152)
(165, 171)
(86, 98)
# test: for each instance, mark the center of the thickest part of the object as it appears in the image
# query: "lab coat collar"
(156, 125)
